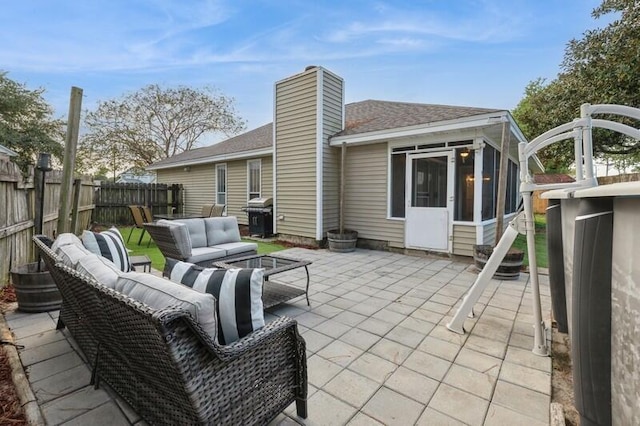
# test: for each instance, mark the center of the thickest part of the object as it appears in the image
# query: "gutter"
(213, 159)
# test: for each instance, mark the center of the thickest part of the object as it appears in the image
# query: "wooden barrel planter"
(344, 242)
(35, 291)
(510, 266)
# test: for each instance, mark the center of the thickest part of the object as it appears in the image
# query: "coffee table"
(273, 293)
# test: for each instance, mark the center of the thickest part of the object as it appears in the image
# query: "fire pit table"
(273, 293)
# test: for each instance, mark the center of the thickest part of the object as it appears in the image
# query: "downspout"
(502, 179)
(343, 157)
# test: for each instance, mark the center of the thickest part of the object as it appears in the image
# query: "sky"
(479, 53)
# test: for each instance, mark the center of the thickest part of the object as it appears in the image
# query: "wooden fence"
(17, 213)
(112, 200)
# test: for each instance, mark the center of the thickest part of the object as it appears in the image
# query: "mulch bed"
(11, 412)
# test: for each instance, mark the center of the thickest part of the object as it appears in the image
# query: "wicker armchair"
(171, 372)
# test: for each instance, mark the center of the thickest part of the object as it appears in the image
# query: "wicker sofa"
(167, 367)
(200, 241)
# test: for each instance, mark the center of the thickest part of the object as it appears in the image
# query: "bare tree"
(155, 123)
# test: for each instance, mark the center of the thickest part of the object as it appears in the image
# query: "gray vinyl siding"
(489, 233)
(464, 237)
(295, 148)
(366, 195)
(332, 123)
(237, 189)
(198, 183)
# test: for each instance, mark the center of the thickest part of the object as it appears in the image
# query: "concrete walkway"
(378, 349)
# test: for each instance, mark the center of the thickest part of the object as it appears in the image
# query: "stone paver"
(378, 351)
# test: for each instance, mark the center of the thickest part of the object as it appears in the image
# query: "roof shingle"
(361, 117)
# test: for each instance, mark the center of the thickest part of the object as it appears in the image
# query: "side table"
(142, 260)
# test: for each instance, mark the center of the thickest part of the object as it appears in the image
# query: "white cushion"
(108, 244)
(100, 268)
(202, 254)
(71, 253)
(238, 292)
(159, 293)
(222, 230)
(196, 231)
(64, 239)
(238, 248)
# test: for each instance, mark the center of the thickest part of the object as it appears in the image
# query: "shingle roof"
(370, 115)
(253, 140)
(361, 117)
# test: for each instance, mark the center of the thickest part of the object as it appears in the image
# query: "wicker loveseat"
(200, 241)
(163, 363)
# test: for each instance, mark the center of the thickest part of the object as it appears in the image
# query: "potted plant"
(342, 240)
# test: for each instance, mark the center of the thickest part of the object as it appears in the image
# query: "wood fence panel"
(17, 213)
(112, 200)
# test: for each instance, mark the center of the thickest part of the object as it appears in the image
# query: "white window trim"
(226, 183)
(259, 161)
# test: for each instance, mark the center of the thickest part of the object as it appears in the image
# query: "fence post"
(76, 205)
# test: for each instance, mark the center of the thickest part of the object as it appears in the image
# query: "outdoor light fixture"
(44, 162)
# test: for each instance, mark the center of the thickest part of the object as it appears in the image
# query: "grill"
(260, 214)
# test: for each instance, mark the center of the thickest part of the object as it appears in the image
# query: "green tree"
(603, 67)
(26, 123)
(155, 123)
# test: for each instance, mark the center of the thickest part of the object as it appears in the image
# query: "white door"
(428, 221)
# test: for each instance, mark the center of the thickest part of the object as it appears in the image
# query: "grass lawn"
(157, 259)
(541, 242)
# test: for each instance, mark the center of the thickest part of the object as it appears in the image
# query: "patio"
(378, 351)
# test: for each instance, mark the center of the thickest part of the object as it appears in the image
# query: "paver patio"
(378, 351)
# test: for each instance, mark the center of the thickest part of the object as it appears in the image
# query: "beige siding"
(464, 237)
(295, 150)
(332, 123)
(198, 183)
(366, 195)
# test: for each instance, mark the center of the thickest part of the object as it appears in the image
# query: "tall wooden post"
(70, 147)
(502, 178)
(77, 184)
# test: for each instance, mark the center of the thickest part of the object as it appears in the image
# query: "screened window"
(490, 166)
(511, 202)
(398, 177)
(221, 184)
(253, 178)
(465, 165)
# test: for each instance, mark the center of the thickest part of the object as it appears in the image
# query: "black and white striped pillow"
(237, 291)
(108, 244)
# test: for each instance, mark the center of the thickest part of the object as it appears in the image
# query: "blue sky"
(476, 53)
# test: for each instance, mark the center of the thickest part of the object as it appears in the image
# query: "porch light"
(464, 154)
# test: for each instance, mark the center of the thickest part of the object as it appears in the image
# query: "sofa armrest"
(172, 240)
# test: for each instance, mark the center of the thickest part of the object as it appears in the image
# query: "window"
(221, 184)
(490, 165)
(465, 166)
(398, 177)
(253, 178)
(511, 202)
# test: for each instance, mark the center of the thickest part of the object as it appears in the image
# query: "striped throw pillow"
(108, 244)
(237, 291)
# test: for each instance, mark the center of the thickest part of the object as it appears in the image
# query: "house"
(417, 176)
(134, 176)
(6, 152)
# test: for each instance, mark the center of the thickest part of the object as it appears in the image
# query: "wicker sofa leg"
(95, 379)
(60, 324)
(301, 407)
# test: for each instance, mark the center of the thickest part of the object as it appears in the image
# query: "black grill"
(260, 220)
